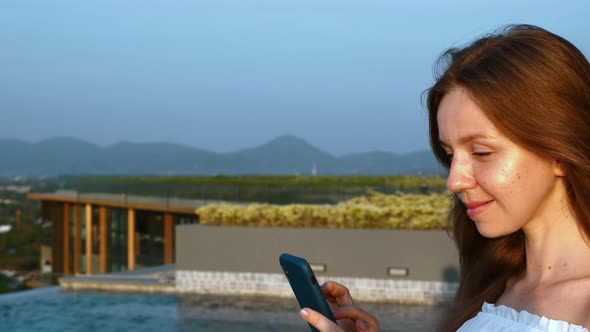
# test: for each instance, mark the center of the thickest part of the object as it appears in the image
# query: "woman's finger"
(336, 293)
(363, 320)
(319, 321)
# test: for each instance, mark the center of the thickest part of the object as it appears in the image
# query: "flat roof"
(151, 203)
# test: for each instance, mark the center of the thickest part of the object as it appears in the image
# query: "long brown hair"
(534, 86)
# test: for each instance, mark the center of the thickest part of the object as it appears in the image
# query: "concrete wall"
(428, 255)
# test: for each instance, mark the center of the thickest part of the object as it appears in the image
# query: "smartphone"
(305, 286)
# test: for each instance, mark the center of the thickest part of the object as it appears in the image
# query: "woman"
(509, 118)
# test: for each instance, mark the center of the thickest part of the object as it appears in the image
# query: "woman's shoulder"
(570, 299)
(566, 300)
(503, 318)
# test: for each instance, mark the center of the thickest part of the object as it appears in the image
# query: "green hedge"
(406, 211)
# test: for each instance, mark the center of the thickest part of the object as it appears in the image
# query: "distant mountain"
(283, 155)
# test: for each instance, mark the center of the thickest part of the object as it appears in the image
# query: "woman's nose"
(460, 175)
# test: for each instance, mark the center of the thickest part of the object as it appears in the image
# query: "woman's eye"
(481, 154)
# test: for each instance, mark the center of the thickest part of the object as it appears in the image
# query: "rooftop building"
(101, 233)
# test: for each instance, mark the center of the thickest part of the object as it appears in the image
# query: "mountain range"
(285, 154)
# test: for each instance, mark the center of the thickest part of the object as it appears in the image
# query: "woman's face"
(503, 186)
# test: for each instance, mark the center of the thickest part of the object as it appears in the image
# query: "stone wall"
(274, 284)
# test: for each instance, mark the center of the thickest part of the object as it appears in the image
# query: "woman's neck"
(556, 249)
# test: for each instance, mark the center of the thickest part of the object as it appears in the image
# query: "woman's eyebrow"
(466, 139)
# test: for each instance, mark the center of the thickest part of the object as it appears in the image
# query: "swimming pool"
(52, 309)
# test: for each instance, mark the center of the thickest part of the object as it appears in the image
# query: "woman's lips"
(475, 208)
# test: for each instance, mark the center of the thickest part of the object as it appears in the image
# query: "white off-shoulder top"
(493, 318)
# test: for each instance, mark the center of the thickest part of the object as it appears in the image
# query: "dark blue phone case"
(305, 285)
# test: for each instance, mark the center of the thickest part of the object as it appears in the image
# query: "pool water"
(52, 309)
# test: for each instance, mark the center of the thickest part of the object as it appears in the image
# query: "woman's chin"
(491, 232)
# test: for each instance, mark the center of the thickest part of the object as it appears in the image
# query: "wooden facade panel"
(88, 211)
(131, 239)
(104, 239)
(168, 238)
(66, 236)
(77, 239)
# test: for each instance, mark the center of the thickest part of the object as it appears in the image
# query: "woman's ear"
(558, 168)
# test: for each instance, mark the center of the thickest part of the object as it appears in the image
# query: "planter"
(376, 265)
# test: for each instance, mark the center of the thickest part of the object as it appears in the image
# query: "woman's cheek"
(505, 173)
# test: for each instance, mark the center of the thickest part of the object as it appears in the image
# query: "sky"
(223, 75)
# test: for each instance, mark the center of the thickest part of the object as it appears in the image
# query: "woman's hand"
(350, 317)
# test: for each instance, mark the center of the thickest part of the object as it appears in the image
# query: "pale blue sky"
(223, 75)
